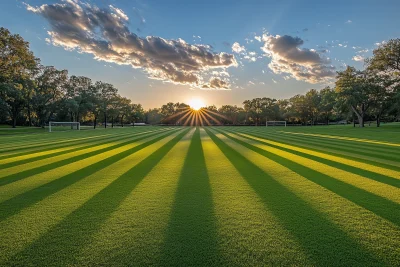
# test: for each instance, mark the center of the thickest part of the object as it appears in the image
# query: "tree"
(167, 111)
(299, 108)
(354, 90)
(106, 92)
(153, 116)
(328, 99)
(384, 69)
(313, 100)
(50, 84)
(270, 109)
(137, 113)
(17, 67)
(125, 109)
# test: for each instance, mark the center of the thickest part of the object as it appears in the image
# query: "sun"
(196, 103)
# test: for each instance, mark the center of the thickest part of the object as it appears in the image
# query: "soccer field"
(189, 196)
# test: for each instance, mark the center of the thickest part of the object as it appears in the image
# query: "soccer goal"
(275, 123)
(63, 126)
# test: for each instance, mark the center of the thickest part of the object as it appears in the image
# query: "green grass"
(232, 196)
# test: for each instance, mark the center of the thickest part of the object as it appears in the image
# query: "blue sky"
(283, 47)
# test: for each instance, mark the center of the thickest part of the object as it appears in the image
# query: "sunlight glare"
(196, 103)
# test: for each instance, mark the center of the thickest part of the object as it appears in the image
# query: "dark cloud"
(301, 63)
(104, 33)
(305, 30)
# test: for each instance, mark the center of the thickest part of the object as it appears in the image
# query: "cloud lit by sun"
(196, 103)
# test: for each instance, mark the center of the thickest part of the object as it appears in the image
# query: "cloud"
(216, 83)
(305, 30)
(258, 38)
(220, 73)
(299, 63)
(381, 43)
(105, 34)
(349, 21)
(363, 51)
(250, 59)
(237, 48)
(358, 58)
(119, 13)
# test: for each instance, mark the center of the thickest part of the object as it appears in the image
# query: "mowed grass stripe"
(53, 152)
(32, 149)
(191, 235)
(339, 183)
(335, 149)
(347, 139)
(76, 169)
(64, 136)
(71, 139)
(31, 156)
(57, 162)
(63, 241)
(378, 188)
(61, 214)
(386, 157)
(51, 138)
(379, 174)
(323, 242)
(367, 147)
(248, 231)
(134, 232)
(386, 133)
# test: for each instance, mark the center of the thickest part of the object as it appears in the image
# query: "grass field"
(234, 196)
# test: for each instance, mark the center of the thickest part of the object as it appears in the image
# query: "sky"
(222, 52)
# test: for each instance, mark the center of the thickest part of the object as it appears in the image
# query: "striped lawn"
(232, 196)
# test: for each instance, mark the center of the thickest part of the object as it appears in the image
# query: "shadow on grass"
(382, 207)
(25, 147)
(323, 242)
(65, 240)
(370, 150)
(191, 236)
(80, 146)
(365, 173)
(14, 205)
(26, 150)
(27, 173)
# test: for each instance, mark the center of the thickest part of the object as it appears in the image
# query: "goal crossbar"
(78, 125)
(275, 123)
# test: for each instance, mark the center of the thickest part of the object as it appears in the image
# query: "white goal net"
(275, 123)
(63, 126)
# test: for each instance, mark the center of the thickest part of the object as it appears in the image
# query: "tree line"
(32, 95)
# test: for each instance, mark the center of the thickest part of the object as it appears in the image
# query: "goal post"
(64, 125)
(275, 123)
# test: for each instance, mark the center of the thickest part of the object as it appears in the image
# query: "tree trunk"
(112, 121)
(29, 115)
(95, 122)
(378, 121)
(105, 120)
(122, 120)
(360, 115)
(14, 121)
